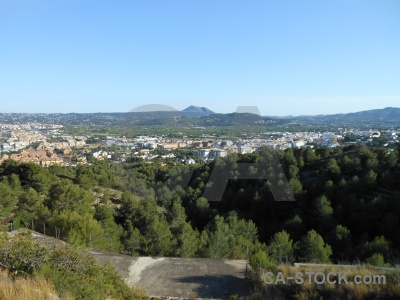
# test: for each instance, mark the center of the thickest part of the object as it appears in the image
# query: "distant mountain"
(196, 111)
(201, 116)
(388, 113)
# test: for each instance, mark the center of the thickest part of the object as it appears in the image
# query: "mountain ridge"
(196, 111)
(380, 113)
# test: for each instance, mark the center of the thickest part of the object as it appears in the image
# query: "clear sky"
(286, 57)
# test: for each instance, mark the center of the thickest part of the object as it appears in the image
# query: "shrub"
(73, 271)
(260, 260)
(376, 260)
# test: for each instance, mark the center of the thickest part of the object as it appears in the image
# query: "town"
(49, 144)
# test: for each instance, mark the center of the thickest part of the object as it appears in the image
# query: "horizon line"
(179, 111)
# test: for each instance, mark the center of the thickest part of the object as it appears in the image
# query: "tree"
(323, 213)
(295, 185)
(370, 177)
(132, 240)
(230, 238)
(289, 157)
(15, 183)
(261, 261)
(290, 163)
(281, 247)
(369, 159)
(341, 242)
(158, 240)
(371, 162)
(8, 200)
(346, 162)
(30, 208)
(294, 227)
(293, 171)
(324, 152)
(376, 260)
(322, 208)
(333, 167)
(199, 212)
(31, 202)
(65, 195)
(244, 238)
(187, 238)
(309, 156)
(112, 232)
(164, 196)
(35, 176)
(392, 159)
(312, 249)
(300, 162)
(218, 239)
(81, 230)
(378, 245)
(85, 177)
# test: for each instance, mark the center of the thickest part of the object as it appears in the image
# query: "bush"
(312, 248)
(72, 271)
(376, 260)
(260, 260)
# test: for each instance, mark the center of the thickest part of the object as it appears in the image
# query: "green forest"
(347, 207)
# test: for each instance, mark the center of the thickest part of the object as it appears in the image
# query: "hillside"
(166, 276)
(59, 270)
(202, 116)
(388, 113)
(196, 111)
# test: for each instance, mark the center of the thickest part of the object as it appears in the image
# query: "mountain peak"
(196, 111)
(193, 108)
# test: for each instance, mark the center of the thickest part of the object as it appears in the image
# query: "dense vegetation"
(62, 271)
(347, 207)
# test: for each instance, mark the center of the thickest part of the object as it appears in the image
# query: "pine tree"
(312, 249)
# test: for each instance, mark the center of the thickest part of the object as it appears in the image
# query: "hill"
(202, 116)
(161, 276)
(388, 113)
(196, 111)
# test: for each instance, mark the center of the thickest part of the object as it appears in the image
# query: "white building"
(189, 161)
(217, 153)
(298, 144)
(204, 153)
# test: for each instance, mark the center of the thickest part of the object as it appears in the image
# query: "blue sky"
(286, 57)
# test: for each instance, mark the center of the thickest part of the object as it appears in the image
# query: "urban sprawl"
(49, 144)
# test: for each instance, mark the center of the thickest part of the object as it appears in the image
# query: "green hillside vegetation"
(60, 272)
(347, 207)
(386, 113)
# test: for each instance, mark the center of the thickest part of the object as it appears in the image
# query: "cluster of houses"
(17, 139)
(204, 148)
(17, 142)
(43, 157)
